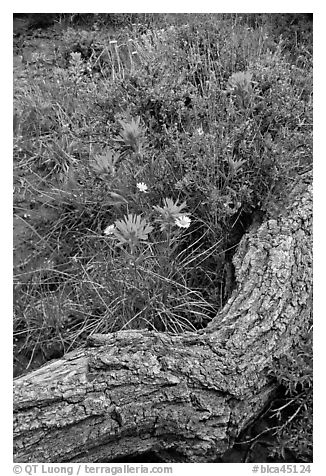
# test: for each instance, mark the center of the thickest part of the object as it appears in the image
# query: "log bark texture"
(186, 396)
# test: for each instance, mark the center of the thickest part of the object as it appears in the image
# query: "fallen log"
(185, 397)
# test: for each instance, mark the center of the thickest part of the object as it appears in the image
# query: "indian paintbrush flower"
(132, 229)
(169, 213)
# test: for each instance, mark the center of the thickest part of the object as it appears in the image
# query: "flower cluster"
(133, 229)
(170, 214)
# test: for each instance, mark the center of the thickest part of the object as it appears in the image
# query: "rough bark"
(186, 395)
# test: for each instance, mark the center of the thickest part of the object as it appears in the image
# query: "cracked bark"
(183, 396)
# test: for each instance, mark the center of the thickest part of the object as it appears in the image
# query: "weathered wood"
(189, 395)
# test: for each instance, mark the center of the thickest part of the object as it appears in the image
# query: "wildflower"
(240, 81)
(169, 212)
(235, 165)
(170, 209)
(76, 57)
(142, 187)
(105, 163)
(132, 134)
(183, 221)
(109, 230)
(200, 131)
(132, 229)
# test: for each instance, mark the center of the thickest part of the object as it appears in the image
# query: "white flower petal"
(109, 230)
(142, 187)
(183, 221)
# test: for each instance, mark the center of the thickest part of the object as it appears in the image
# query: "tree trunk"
(183, 396)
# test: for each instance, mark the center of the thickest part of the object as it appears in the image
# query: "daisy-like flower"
(109, 230)
(142, 187)
(200, 131)
(183, 221)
